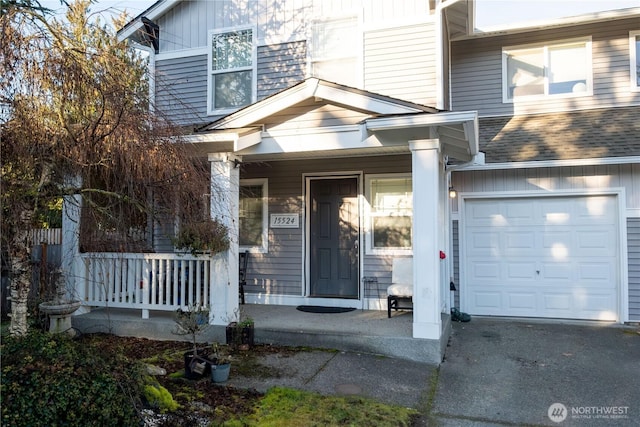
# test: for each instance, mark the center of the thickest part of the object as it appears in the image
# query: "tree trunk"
(20, 287)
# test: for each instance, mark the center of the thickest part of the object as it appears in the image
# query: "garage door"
(541, 257)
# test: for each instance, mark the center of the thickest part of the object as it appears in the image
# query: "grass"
(284, 407)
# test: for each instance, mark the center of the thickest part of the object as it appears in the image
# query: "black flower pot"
(196, 367)
(240, 336)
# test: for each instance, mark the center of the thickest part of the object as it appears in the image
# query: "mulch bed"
(201, 401)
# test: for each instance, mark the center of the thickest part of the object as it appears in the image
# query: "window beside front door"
(390, 216)
(560, 69)
(634, 54)
(252, 212)
(232, 73)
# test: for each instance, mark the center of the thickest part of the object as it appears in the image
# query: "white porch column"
(72, 265)
(225, 186)
(425, 155)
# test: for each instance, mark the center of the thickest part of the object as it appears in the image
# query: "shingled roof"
(587, 134)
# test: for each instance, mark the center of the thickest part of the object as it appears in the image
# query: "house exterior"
(335, 132)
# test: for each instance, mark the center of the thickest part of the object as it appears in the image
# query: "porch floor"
(366, 331)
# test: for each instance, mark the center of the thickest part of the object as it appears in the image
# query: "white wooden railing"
(147, 282)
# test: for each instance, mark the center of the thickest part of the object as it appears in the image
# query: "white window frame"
(264, 182)
(210, 72)
(633, 61)
(545, 48)
(368, 226)
(355, 51)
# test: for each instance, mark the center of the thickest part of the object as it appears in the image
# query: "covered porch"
(366, 331)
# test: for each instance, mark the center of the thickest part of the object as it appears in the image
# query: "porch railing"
(162, 282)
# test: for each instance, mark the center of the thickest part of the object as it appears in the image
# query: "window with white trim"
(390, 216)
(333, 50)
(634, 55)
(559, 69)
(232, 74)
(253, 215)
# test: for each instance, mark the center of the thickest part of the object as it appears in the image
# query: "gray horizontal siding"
(181, 89)
(476, 80)
(633, 249)
(280, 66)
(279, 272)
(626, 176)
(401, 62)
(181, 83)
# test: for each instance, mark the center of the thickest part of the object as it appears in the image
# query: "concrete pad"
(512, 371)
(393, 381)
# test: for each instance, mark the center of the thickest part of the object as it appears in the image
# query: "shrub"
(204, 236)
(52, 380)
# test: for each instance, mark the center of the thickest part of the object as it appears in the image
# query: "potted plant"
(240, 333)
(197, 237)
(193, 322)
(220, 364)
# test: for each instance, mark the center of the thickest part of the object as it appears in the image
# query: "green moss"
(287, 407)
(159, 397)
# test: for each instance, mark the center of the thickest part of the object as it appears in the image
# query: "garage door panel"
(541, 257)
(486, 270)
(487, 301)
(521, 270)
(557, 302)
(519, 240)
(556, 271)
(522, 301)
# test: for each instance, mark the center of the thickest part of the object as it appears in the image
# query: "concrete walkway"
(496, 372)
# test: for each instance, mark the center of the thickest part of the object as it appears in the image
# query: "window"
(253, 214)
(634, 55)
(390, 200)
(538, 71)
(334, 44)
(231, 70)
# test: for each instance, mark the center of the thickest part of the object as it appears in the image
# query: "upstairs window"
(562, 69)
(333, 50)
(634, 55)
(390, 216)
(232, 76)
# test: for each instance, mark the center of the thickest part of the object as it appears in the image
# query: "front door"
(334, 238)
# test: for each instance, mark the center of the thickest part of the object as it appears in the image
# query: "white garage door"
(541, 257)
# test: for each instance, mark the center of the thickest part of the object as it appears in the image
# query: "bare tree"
(75, 119)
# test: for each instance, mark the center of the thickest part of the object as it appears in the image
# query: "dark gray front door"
(334, 238)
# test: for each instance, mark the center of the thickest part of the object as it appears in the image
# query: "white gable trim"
(311, 88)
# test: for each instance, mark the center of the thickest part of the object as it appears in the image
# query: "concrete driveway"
(519, 372)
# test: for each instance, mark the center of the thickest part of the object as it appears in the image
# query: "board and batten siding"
(633, 251)
(401, 62)
(280, 271)
(476, 76)
(187, 24)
